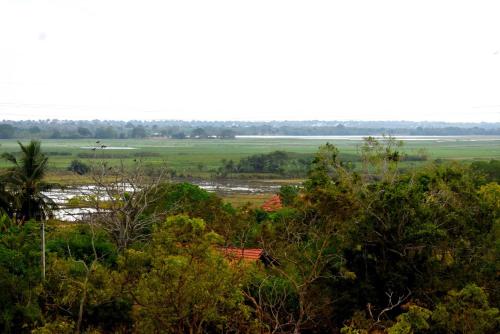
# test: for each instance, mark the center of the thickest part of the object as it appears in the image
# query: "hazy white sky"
(250, 60)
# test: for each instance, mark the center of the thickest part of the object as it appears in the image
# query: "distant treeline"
(55, 129)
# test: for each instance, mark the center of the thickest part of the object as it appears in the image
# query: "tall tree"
(6, 131)
(24, 181)
(139, 132)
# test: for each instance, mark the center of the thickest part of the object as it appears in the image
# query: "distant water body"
(62, 196)
(358, 138)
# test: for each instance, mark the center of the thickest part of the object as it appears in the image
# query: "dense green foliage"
(19, 275)
(7, 131)
(490, 169)
(79, 167)
(368, 250)
(277, 162)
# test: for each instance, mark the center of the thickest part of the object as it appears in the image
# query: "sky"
(250, 60)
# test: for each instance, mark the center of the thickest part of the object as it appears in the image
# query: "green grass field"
(199, 157)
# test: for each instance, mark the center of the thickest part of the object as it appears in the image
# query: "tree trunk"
(43, 251)
(82, 303)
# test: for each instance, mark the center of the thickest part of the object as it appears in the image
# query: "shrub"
(78, 167)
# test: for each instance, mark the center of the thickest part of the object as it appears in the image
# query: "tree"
(190, 288)
(273, 162)
(56, 134)
(404, 234)
(79, 285)
(310, 259)
(6, 200)
(79, 167)
(34, 129)
(19, 275)
(380, 157)
(121, 201)
(25, 182)
(199, 133)
(139, 132)
(467, 311)
(189, 199)
(227, 134)
(84, 132)
(6, 131)
(179, 135)
(491, 169)
(308, 241)
(288, 194)
(105, 132)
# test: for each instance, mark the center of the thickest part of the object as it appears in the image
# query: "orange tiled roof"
(251, 254)
(273, 204)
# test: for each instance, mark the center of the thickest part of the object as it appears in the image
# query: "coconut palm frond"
(10, 157)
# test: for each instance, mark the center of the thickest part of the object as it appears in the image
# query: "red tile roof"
(273, 204)
(251, 254)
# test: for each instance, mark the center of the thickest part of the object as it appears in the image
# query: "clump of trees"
(490, 170)
(79, 167)
(70, 129)
(6, 131)
(277, 162)
(367, 250)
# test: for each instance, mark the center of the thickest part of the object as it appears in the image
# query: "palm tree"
(24, 182)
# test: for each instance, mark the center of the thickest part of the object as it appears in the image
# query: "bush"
(79, 243)
(288, 194)
(78, 167)
(467, 311)
(490, 170)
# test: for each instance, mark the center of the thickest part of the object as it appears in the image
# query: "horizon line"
(245, 121)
